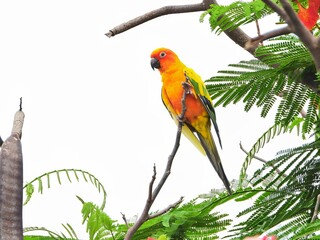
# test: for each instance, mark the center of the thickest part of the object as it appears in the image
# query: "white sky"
(93, 103)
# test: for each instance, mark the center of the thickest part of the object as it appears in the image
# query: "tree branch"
(295, 26)
(253, 43)
(311, 42)
(165, 210)
(153, 194)
(174, 9)
(125, 219)
(275, 8)
(237, 35)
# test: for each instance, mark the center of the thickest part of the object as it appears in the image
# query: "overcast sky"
(93, 103)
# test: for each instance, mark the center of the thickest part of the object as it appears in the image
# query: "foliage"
(287, 206)
(261, 84)
(193, 220)
(99, 224)
(236, 14)
(45, 180)
(52, 234)
(70, 174)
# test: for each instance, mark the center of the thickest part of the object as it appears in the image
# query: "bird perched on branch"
(199, 109)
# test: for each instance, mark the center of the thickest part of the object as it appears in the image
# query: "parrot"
(199, 108)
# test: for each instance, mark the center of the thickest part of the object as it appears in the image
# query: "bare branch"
(275, 8)
(237, 35)
(165, 210)
(152, 195)
(125, 219)
(174, 9)
(253, 43)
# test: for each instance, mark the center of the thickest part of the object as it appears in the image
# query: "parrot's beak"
(155, 63)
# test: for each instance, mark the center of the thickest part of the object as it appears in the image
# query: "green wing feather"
(201, 91)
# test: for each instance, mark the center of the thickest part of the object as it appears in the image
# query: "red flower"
(269, 238)
(309, 16)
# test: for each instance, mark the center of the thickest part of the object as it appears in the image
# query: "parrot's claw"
(187, 87)
(180, 120)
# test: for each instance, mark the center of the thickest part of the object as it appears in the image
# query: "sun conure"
(199, 109)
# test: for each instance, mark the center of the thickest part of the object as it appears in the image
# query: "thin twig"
(165, 210)
(150, 196)
(256, 157)
(125, 219)
(254, 42)
(258, 29)
(153, 194)
(20, 105)
(259, 159)
(316, 209)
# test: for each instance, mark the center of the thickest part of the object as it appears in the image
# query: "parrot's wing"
(185, 129)
(201, 91)
(208, 105)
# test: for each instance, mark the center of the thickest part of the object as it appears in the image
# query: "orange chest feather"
(173, 91)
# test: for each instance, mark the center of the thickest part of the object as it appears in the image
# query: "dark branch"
(275, 8)
(153, 194)
(253, 43)
(157, 13)
(124, 219)
(237, 35)
(20, 105)
(165, 210)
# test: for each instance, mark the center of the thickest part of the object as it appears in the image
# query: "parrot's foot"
(187, 87)
(180, 120)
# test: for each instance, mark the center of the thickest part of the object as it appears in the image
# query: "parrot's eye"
(162, 54)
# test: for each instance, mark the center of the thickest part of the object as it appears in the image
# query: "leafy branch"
(69, 173)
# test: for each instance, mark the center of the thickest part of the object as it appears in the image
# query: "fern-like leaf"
(286, 206)
(273, 131)
(29, 187)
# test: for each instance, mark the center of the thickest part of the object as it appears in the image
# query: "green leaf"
(29, 190)
(46, 177)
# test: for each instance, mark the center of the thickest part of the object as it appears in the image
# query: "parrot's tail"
(213, 155)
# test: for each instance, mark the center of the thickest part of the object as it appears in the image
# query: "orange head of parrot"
(163, 59)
